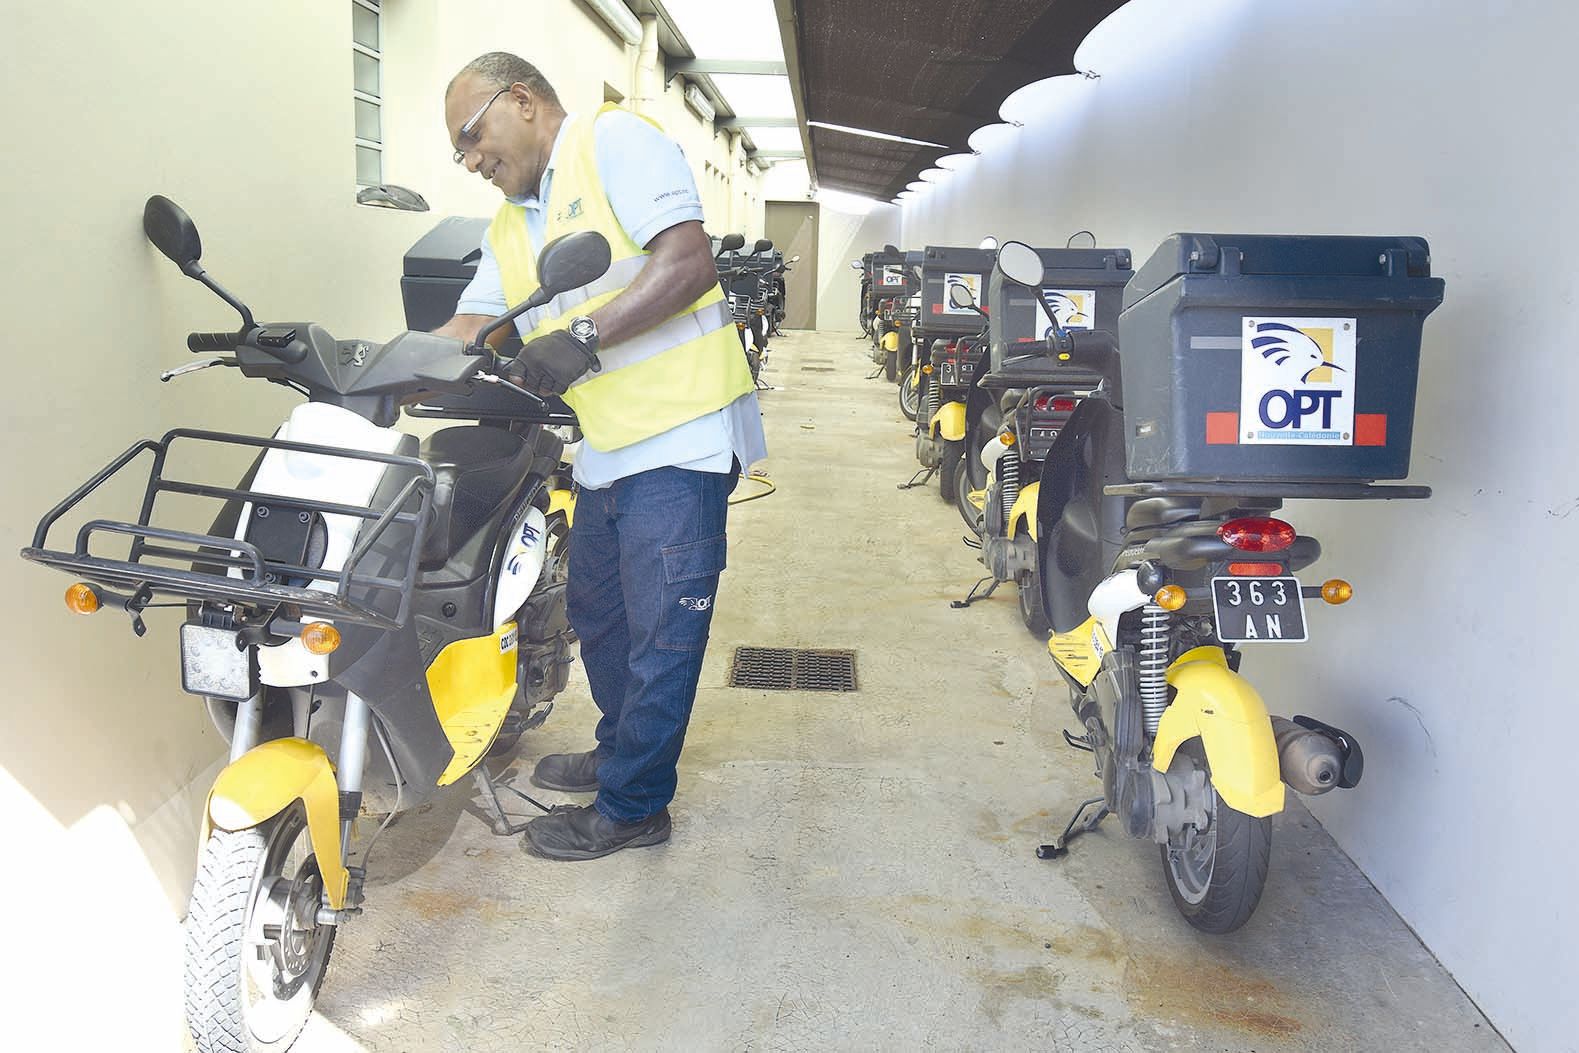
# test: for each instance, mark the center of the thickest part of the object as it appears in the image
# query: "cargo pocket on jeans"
(690, 582)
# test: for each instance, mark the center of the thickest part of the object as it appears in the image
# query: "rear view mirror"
(762, 245)
(891, 250)
(796, 259)
(856, 265)
(573, 260)
(731, 242)
(1021, 264)
(988, 243)
(959, 295)
(172, 231)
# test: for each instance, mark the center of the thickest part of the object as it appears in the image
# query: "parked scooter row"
(1131, 498)
(754, 285)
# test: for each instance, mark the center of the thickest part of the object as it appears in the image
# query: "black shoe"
(583, 833)
(570, 772)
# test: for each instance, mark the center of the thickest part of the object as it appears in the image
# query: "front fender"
(891, 340)
(1025, 507)
(269, 778)
(563, 501)
(1221, 707)
(950, 421)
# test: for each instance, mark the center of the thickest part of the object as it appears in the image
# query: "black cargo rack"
(254, 586)
(1322, 491)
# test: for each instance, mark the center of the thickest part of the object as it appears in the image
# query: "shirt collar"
(536, 202)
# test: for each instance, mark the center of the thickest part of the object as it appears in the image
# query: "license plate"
(1258, 610)
(212, 665)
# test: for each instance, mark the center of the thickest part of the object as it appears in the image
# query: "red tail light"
(1056, 404)
(1257, 534)
(1255, 570)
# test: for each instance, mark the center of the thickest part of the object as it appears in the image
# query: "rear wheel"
(891, 365)
(951, 465)
(255, 952)
(910, 393)
(1033, 611)
(970, 501)
(1216, 875)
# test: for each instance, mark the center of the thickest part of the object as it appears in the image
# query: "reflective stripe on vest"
(684, 368)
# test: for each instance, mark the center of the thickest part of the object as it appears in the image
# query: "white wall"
(243, 114)
(1454, 121)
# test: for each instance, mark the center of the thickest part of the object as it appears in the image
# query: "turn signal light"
(1255, 570)
(1057, 404)
(1170, 597)
(927, 368)
(81, 599)
(1337, 591)
(1257, 534)
(1007, 438)
(320, 637)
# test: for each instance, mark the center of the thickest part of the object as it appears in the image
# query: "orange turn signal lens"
(926, 368)
(320, 637)
(1170, 597)
(1337, 591)
(81, 599)
(1007, 438)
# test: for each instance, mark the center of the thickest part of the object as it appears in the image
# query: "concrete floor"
(857, 871)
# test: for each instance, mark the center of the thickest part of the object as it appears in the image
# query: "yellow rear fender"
(563, 501)
(1025, 509)
(949, 421)
(271, 777)
(1225, 712)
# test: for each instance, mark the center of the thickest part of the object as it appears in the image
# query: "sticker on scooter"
(1296, 384)
(696, 603)
(1072, 308)
(972, 283)
(893, 276)
(508, 641)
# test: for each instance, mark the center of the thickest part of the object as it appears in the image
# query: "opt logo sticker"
(893, 276)
(1073, 308)
(971, 282)
(1296, 384)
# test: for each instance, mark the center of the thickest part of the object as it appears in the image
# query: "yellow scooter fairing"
(1080, 650)
(1222, 708)
(472, 683)
(269, 778)
(1024, 508)
(563, 501)
(950, 421)
(891, 340)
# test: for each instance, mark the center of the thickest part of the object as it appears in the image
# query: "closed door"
(792, 227)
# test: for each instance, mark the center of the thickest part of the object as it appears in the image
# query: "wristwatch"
(584, 329)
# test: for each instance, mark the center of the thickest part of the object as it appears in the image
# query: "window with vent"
(367, 61)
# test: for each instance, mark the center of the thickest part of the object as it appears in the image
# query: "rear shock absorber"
(929, 405)
(1152, 665)
(1009, 480)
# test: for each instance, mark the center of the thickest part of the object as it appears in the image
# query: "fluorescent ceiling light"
(840, 201)
(874, 135)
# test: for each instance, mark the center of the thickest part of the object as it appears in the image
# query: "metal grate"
(792, 669)
(816, 369)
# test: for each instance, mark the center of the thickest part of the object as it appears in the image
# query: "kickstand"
(874, 374)
(971, 597)
(971, 542)
(920, 478)
(1075, 828)
(498, 819)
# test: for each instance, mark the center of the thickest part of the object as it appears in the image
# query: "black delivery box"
(942, 267)
(1255, 357)
(890, 275)
(1081, 288)
(437, 269)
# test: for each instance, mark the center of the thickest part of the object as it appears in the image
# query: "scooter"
(742, 289)
(362, 618)
(1160, 554)
(776, 293)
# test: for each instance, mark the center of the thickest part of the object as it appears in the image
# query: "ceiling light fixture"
(874, 135)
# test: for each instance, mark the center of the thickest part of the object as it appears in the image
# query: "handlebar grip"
(203, 343)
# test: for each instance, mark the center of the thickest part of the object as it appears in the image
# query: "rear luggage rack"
(253, 587)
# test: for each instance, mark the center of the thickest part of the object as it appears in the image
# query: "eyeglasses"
(466, 138)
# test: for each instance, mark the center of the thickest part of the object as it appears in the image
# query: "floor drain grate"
(792, 669)
(816, 369)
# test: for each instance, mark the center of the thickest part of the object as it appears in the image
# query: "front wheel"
(891, 365)
(1033, 610)
(1216, 875)
(910, 393)
(971, 502)
(951, 465)
(255, 952)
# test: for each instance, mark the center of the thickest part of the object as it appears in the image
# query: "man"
(669, 418)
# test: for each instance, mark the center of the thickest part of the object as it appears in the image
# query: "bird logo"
(1070, 310)
(1296, 352)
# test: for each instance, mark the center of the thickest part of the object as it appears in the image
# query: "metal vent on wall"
(792, 669)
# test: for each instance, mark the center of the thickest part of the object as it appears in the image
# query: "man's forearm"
(679, 271)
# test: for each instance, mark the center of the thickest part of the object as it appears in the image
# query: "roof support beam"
(732, 123)
(778, 155)
(696, 66)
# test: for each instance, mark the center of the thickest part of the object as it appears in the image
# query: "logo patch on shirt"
(571, 211)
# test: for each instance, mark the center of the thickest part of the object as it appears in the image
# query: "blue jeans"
(645, 556)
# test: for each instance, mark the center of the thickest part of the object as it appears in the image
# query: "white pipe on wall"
(619, 18)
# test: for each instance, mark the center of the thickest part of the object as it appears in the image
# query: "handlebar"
(207, 343)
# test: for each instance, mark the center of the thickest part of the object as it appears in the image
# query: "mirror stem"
(193, 269)
(480, 343)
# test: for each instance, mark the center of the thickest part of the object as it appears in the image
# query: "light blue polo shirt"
(650, 188)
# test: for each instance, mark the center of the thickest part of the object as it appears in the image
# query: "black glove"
(551, 363)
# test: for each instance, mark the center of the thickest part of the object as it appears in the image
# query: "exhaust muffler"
(1309, 762)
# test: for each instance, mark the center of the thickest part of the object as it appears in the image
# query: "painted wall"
(1452, 121)
(104, 762)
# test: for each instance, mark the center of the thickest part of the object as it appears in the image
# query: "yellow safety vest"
(675, 372)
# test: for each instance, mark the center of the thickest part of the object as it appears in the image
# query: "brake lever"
(192, 367)
(492, 378)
